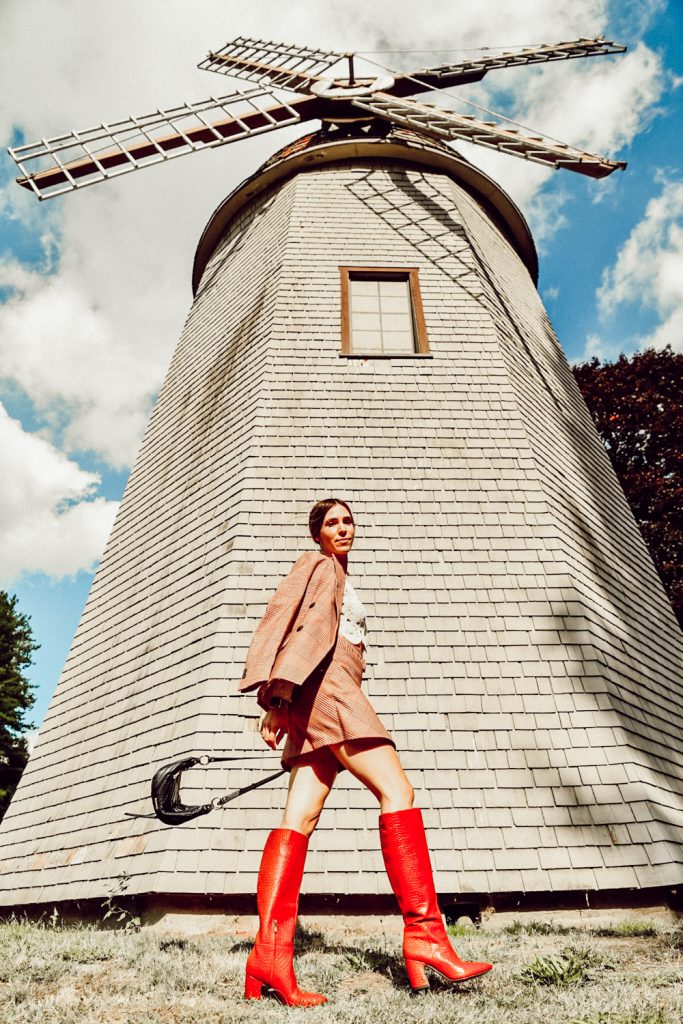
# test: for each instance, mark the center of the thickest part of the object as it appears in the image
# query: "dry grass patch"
(55, 975)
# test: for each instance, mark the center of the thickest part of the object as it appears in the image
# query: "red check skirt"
(330, 707)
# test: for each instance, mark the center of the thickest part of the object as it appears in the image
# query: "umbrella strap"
(208, 758)
(220, 801)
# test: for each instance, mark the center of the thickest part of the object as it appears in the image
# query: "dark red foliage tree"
(637, 406)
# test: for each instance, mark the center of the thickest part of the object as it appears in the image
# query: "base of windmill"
(172, 914)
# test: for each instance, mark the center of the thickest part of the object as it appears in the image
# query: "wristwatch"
(278, 702)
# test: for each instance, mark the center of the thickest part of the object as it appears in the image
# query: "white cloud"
(641, 15)
(648, 271)
(649, 267)
(466, 26)
(83, 351)
(604, 349)
(49, 522)
(647, 274)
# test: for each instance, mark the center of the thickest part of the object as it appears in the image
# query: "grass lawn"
(544, 973)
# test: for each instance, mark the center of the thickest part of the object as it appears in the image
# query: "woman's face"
(337, 531)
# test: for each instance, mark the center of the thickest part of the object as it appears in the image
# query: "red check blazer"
(300, 624)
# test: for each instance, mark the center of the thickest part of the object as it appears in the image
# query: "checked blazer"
(300, 625)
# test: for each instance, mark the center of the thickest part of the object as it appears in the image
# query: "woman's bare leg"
(270, 962)
(309, 786)
(377, 766)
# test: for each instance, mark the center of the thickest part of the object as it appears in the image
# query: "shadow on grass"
(533, 927)
(360, 959)
(628, 930)
(622, 929)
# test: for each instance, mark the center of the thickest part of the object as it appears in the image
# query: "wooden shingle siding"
(522, 650)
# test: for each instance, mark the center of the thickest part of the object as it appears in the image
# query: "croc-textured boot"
(425, 942)
(270, 964)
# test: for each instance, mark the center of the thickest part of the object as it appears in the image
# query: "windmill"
(75, 159)
(365, 323)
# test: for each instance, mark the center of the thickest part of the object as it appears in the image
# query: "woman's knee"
(397, 793)
(309, 787)
(378, 767)
(409, 794)
(300, 820)
(399, 796)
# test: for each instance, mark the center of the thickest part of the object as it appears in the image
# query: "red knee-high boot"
(425, 942)
(270, 963)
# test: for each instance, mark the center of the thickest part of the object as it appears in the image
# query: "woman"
(307, 659)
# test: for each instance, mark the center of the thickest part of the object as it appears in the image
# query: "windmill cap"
(332, 146)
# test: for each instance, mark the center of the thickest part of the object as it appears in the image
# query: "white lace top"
(352, 623)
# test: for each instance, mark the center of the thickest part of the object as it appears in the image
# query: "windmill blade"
(273, 64)
(80, 158)
(442, 124)
(446, 75)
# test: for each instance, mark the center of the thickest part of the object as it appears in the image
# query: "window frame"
(388, 273)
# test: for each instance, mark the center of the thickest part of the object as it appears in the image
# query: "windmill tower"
(365, 323)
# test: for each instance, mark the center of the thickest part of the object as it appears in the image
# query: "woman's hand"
(274, 725)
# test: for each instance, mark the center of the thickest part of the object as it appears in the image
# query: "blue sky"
(94, 287)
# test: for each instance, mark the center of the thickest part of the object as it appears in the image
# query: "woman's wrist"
(276, 703)
(279, 693)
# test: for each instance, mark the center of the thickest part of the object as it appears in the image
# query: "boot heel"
(252, 988)
(417, 976)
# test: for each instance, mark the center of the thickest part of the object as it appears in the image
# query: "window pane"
(363, 286)
(392, 289)
(366, 341)
(365, 303)
(395, 304)
(398, 341)
(366, 321)
(396, 321)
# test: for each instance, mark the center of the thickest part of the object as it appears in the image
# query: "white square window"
(382, 312)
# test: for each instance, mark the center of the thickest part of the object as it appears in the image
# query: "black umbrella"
(168, 806)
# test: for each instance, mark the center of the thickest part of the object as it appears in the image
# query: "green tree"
(16, 695)
(637, 406)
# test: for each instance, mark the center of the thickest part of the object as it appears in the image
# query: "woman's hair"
(316, 517)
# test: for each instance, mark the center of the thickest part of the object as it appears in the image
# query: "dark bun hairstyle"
(316, 517)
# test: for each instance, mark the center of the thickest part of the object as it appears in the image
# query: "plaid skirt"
(330, 707)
